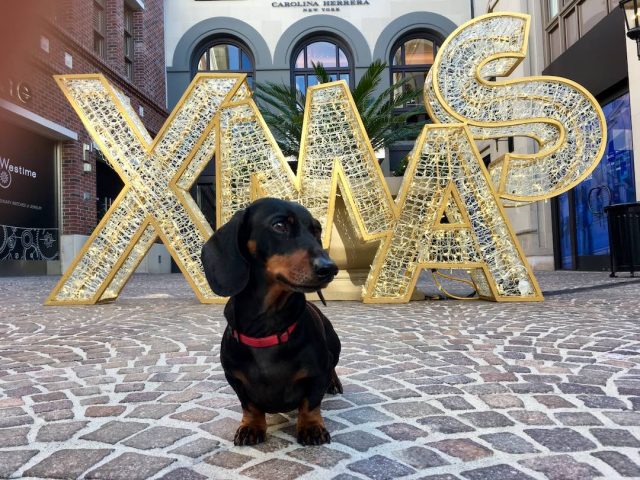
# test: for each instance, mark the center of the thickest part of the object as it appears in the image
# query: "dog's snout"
(324, 267)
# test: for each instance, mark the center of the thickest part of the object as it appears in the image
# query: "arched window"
(332, 54)
(412, 57)
(224, 55)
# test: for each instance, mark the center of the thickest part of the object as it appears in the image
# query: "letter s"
(560, 115)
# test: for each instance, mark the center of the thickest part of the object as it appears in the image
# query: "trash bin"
(624, 237)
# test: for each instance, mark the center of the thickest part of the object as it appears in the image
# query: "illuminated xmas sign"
(449, 213)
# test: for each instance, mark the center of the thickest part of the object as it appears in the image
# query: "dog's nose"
(324, 267)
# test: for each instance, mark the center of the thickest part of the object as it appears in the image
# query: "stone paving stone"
(487, 419)
(224, 428)
(465, 450)
(13, 437)
(560, 439)
(345, 476)
(502, 472)
(619, 462)
(67, 463)
(56, 415)
(602, 401)
(613, 437)
(157, 437)
(446, 476)
(276, 469)
(115, 431)
(554, 401)
(529, 417)
(361, 441)
(379, 467)
(455, 403)
(183, 473)
(502, 401)
(101, 399)
(577, 419)
(197, 448)
(508, 442)
(104, 411)
(411, 409)
(48, 397)
(319, 455)
(364, 398)
(228, 460)
(361, 415)
(420, 458)
(197, 415)
(59, 432)
(141, 397)
(153, 411)
(15, 421)
(402, 431)
(627, 419)
(562, 467)
(12, 460)
(273, 444)
(445, 424)
(130, 466)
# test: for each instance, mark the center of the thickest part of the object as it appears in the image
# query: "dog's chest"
(278, 380)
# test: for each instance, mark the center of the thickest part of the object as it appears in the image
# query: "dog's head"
(280, 239)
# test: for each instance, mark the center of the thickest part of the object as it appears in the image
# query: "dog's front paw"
(248, 435)
(313, 435)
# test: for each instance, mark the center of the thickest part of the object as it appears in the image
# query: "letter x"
(157, 175)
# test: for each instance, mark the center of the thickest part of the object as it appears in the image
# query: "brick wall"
(69, 30)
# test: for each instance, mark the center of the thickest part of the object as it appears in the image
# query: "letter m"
(335, 154)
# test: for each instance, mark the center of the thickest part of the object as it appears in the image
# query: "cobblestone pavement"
(438, 390)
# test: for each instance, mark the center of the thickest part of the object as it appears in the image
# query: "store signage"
(18, 90)
(321, 5)
(28, 214)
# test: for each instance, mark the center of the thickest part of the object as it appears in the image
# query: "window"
(128, 42)
(225, 55)
(99, 27)
(333, 56)
(411, 58)
(568, 21)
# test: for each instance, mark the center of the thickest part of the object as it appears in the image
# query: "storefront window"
(333, 57)
(226, 56)
(28, 197)
(412, 58)
(611, 182)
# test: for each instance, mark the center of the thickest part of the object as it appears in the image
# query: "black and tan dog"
(278, 351)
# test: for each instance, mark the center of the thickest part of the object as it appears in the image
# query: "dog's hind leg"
(335, 385)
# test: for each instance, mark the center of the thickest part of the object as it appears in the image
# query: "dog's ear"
(226, 268)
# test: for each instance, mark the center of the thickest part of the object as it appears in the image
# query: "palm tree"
(283, 109)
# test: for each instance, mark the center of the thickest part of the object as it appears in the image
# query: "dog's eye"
(280, 227)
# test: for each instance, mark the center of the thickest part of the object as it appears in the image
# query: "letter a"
(446, 179)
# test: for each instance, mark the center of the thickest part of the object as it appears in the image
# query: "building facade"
(273, 41)
(585, 41)
(55, 184)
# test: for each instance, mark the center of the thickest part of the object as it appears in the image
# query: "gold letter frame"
(157, 176)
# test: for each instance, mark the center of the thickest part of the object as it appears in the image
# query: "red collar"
(262, 342)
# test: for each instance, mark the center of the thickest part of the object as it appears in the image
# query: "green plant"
(384, 118)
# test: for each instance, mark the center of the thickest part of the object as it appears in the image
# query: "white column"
(634, 97)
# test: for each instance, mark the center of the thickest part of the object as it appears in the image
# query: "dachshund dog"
(278, 351)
